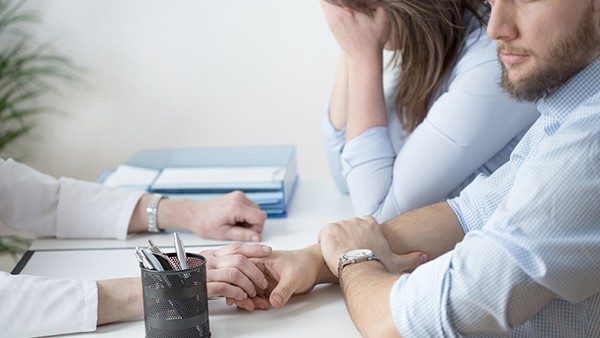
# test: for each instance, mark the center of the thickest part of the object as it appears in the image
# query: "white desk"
(321, 313)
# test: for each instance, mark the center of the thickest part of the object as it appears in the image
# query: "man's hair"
(428, 36)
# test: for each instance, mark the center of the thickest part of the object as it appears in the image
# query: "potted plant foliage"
(28, 71)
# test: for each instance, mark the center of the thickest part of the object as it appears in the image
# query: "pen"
(153, 259)
(180, 250)
(156, 250)
(139, 254)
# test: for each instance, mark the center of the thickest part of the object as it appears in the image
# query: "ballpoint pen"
(155, 249)
(139, 254)
(180, 250)
(158, 266)
(165, 261)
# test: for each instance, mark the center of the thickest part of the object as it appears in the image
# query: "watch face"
(359, 253)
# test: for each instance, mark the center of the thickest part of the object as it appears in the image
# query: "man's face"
(543, 43)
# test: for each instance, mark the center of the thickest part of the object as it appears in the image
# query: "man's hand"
(363, 233)
(289, 273)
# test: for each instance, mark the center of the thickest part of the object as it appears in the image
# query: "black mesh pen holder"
(176, 301)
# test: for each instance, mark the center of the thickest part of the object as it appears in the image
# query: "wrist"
(365, 61)
(175, 213)
(324, 274)
(353, 272)
(152, 212)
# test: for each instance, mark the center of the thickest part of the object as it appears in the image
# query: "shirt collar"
(575, 91)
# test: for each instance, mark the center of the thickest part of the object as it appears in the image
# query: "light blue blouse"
(470, 129)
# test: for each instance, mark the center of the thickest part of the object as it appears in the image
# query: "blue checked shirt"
(529, 265)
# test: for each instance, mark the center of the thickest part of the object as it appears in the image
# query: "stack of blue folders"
(267, 174)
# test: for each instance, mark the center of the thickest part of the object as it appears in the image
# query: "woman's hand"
(359, 35)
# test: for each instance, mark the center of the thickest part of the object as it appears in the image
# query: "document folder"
(267, 174)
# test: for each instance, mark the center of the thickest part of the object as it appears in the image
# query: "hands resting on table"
(253, 276)
(297, 272)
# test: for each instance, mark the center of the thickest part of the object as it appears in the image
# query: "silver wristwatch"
(152, 212)
(356, 256)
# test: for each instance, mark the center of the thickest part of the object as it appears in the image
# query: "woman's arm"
(458, 137)
(361, 39)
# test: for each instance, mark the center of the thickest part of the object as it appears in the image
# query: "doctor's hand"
(230, 273)
(230, 217)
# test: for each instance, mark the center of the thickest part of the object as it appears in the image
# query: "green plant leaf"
(28, 71)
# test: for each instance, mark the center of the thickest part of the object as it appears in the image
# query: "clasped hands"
(264, 278)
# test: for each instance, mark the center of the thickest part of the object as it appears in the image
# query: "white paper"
(127, 176)
(218, 175)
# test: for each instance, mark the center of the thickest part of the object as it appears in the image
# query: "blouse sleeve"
(465, 127)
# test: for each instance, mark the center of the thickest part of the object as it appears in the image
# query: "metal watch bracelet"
(152, 212)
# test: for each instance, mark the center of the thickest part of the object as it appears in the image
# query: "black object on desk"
(176, 301)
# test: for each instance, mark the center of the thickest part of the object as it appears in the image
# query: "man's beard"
(569, 56)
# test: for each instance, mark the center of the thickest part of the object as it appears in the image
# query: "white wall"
(184, 73)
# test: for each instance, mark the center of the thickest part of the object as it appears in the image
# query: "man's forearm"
(433, 229)
(366, 288)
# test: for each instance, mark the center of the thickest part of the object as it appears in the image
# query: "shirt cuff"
(418, 300)
(455, 206)
(89, 311)
(373, 145)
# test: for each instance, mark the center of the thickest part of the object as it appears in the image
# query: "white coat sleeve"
(64, 208)
(41, 306)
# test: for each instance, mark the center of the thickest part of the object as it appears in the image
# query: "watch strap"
(152, 212)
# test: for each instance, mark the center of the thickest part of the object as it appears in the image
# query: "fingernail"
(254, 238)
(276, 300)
(423, 258)
(266, 249)
(265, 284)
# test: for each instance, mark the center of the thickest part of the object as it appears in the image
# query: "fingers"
(215, 289)
(249, 215)
(247, 225)
(241, 233)
(249, 304)
(409, 261)
(281, 294)
(236, 270)
(245, 249)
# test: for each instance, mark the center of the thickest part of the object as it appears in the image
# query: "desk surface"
(321, 313)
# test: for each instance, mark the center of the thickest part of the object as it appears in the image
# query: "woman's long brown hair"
(428, 36)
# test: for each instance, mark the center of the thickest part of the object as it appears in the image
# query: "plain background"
(183, 73)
